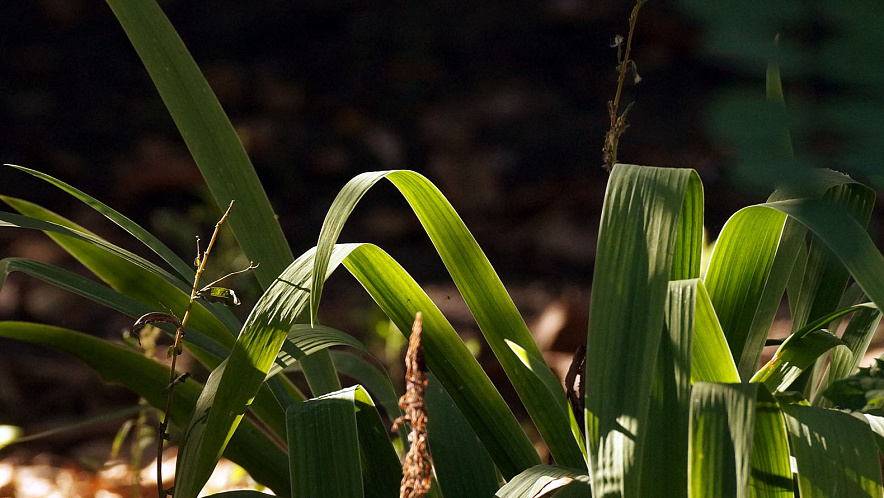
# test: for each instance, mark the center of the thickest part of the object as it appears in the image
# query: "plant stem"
(618, 121)
(176, 349)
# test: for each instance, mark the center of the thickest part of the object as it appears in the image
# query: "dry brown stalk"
(176, 349)
(618, 120)
(417, 469)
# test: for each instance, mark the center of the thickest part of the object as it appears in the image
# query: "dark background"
(502, 104)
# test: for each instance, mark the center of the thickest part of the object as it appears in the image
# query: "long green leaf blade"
(147, 238)
(400, 297)
(339, 448)
(125, 272)
(484, 293)
(747, 276)
(208, 134)
(794, 356)
(462, 464)
(771, 475)
(535, 480)
(232, 386)
(638, 237)
(722, 428)
(835, 453)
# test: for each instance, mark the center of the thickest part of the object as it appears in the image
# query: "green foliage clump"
(674, 403)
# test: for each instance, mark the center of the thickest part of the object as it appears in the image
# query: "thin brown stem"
(176, 349)
(618, 120)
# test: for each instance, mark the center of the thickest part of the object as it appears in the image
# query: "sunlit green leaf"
(639, 236)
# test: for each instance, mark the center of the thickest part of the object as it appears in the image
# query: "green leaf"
(447, 357)
(722, 428)
(535, 480)
(846, 237)
(484, 293)
(862, 391)
(232, 386)
(125, 272)
(857, 336)
(638, 237)
(375, 380)
(825, 277)
(835, 453)
(771, 474)
(130, 226)
(206, 350)
(665, 464)
(463, 467)
(209, 136)
(250, 447)
(303, 340)
(339, 448)
(747, 276)
(691, 309)
(793, 356)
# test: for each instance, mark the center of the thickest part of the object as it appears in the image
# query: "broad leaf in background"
(862, 391)
(638, 237)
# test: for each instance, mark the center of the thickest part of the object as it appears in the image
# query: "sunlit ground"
(117, 481)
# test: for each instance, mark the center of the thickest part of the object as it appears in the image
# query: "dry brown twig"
(618, 120)
(417, 469)
(176, 348)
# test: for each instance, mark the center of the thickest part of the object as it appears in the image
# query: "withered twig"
(417, 469)
(176, 349)
(618, 121)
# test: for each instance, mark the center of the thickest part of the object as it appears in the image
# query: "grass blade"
(747, 276)
(484, 293)
(638, 237)
(209, 136)
(125, 272)
(399, 296)
(462, 464)
(835, 453)
(145, 237)
(232, 386)
(857, 336)
(793, 356)
(532, 481)
(338, 447)
(722, 428)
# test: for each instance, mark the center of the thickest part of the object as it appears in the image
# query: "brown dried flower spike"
(417, 469)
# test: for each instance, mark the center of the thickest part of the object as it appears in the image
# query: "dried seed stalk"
(417, 469)
(618, 120)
